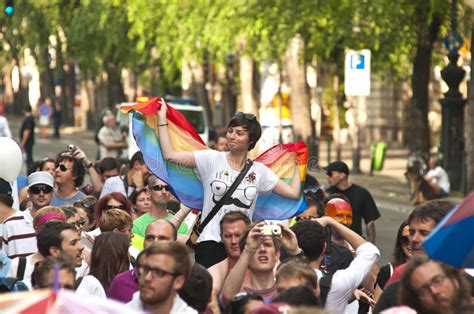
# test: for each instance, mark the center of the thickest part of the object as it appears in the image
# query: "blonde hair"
(48, 214)
(114, 219)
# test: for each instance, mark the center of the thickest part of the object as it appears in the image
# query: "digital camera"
(71, 147)
(272, 230)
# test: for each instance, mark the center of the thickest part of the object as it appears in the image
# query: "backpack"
(11, 284)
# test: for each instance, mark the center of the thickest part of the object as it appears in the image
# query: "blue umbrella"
(452, 241)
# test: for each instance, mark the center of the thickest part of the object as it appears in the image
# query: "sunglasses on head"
(80, 223)
(38, 189)
(62, 167)
(247, 116)
(160, 187)
(114, 207)
(404, 240)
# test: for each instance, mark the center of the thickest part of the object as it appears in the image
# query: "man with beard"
(232, 227)
(165, 267)
(430, 287)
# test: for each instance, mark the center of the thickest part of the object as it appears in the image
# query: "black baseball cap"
(5, 187)
(339, 166)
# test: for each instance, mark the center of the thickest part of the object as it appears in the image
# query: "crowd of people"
(123, 236)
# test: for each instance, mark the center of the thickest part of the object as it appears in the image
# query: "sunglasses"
(107, 207)
(298, 218)
(160, 187)
(404, 240)
(84, 204)
(38, 189)
(247, 116)
(62, 167)
(80, 223)
(313, 190)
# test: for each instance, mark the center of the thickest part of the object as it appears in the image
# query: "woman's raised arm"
(179, 157)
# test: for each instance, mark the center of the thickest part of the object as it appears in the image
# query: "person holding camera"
(218, 171)
(254, 272)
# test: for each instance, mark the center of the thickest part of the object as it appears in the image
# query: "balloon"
(11, 159)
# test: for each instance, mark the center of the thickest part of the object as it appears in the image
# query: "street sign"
(357, 73)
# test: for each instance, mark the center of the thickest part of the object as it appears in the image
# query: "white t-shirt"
(116, 184)
(29, 267)
(440, 176)
(217, 176)
(345, 281)
(91, 286)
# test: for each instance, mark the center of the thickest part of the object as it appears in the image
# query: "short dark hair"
(177, 251)
(233, 216)
(238, 303)
(198, 288)
(6, 200)
(43, 267)
(298, 295)
(251, 125)
(78, 169)
(311, 238)
(138, 156)
(108, 163)
(50, 236)
(434, 210)
(27, 108)
(409, 296)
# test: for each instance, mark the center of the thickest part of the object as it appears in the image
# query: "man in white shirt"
(40, 193)
(311, 238)
(438, 178)
(163, 272)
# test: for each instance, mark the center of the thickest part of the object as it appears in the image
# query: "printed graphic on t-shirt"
(243, 196)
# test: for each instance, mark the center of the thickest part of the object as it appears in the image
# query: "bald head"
(159, 230)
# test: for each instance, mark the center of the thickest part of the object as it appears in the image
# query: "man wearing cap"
(362, 202)
(40, 193)
(19, 238)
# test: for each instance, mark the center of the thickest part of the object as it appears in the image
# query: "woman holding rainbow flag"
(218, 170)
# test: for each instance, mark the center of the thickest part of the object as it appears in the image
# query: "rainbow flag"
(184, 183)
(452, 241)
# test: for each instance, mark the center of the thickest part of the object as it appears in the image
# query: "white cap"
(40, 177)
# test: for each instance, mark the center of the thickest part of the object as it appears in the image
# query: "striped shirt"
(19, 238)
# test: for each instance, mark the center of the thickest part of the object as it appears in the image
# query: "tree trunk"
(229, 92)
(469, 123)
(419, 130)
(21, 96)
(249, 101)
(199, 87)
(337, 122)
(115, 93)
(300, 99)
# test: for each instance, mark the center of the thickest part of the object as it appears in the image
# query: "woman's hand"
(162, 112)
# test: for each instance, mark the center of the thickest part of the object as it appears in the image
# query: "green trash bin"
(377, 155)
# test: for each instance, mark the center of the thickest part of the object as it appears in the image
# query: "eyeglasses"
(80, 223)
(107, 207)
(86, 205)
(62, 167)
(247, 116)
(404, 240)
(436, 282)
(38, 189)
(160, 187)
(156, 272)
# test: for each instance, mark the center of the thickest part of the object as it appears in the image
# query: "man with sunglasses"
(68, 176)
(362, 202)
(160, 195)
(40, 193)
(164, 270)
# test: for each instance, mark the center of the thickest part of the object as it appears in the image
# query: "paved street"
(388, 186)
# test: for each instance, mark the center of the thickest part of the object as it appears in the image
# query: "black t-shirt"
(362, 203)
(28, 124)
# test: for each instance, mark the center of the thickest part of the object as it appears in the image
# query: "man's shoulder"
(15, 218)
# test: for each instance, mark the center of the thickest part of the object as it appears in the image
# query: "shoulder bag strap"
(20, 273)
(224, 198)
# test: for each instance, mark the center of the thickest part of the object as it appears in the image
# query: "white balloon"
(11, 159)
